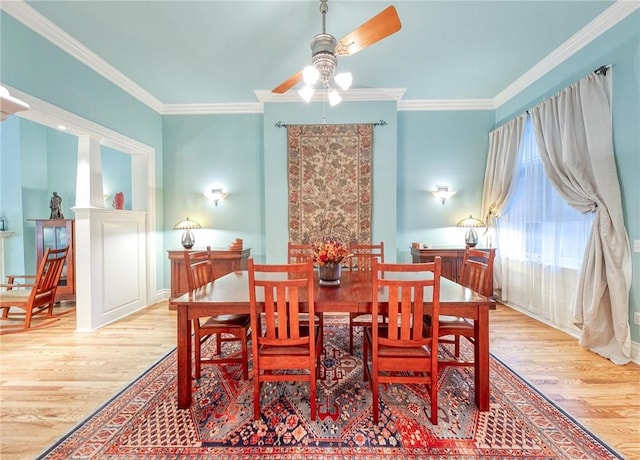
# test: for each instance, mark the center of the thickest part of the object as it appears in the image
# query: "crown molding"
(28, 16)
(606, 20)
(353, 94)
(209, 109)
(445, 105)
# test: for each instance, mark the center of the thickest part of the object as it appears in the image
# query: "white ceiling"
(180, 55)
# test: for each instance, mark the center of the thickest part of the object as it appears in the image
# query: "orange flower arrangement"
(329, 252)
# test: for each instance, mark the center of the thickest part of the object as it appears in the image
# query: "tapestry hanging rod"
(379, 123)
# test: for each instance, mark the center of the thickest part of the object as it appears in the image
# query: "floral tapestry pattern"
(329, 173)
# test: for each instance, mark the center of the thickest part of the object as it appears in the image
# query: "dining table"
(229, 294)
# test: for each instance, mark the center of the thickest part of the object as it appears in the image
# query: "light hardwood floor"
(51, 379)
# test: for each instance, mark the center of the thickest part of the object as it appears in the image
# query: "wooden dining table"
(230, 294)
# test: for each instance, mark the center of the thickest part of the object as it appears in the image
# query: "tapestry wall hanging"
(329, 174)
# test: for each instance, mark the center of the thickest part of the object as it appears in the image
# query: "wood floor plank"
(52, 378)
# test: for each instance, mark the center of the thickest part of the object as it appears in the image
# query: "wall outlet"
(636, 318)
(636, 245)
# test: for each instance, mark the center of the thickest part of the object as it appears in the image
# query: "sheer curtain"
(541, 240)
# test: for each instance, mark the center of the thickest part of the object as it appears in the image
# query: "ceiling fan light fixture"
(334, 97)
(310, 75)
(344, 80)
(306, 93)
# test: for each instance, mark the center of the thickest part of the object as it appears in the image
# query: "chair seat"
(404, 352)
(454, 323)
(227, 320)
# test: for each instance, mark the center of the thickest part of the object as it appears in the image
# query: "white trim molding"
(445, 105)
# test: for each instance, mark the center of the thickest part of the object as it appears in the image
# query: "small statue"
(56, 207)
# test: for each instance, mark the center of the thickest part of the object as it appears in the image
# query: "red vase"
(118, 200)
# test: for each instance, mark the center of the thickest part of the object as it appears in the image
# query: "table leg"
(481, 357)
(184, 358)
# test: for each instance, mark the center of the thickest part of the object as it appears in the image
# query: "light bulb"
(344, 80)
(334, 97)
(306, 93)
(310, 75)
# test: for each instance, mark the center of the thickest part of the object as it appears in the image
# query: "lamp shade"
(187, 225)
(470, 222)
(471, 237)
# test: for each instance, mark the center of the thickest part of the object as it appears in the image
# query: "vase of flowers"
(328, 256)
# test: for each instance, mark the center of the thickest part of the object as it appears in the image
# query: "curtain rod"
(379, 123)
(602, 70)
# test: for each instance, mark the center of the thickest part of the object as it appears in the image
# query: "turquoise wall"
(620, 48)
(203, 152)
(116, 175)
(439, 148)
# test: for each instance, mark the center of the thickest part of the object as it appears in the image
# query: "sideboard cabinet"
(58, 234)
(451, 265)
(224, 261)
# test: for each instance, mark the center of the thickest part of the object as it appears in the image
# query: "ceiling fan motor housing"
(323, 56)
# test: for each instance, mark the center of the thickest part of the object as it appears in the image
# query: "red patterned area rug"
(143, 421)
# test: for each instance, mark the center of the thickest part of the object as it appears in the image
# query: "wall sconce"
(217, 195)
(471, 237)
(188, 240)
(443, 193)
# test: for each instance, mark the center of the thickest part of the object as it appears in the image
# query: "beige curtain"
(499, 178)
(501, 169)
(574, 135)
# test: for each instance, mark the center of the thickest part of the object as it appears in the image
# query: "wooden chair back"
(477, 270)
(298, 253)
(405, 350)
(364, 254)
(199, 268)
(43, 292)
(405, 286)
(280, 340)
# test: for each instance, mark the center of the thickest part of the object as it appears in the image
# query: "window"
(538, 225)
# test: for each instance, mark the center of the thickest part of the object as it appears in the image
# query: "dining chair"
(301, 253)
(362, 261)
(225, 328)
(282, 344)
(477, 270)
(404, 350)
(36, 293)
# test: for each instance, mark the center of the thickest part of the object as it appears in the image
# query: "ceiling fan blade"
(375, 29)
(289, 83)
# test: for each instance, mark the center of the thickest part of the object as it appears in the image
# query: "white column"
(89, 190)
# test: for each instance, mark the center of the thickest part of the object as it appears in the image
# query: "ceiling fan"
(325, 50)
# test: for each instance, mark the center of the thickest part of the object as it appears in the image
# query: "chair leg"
(350, 334)
(256, 397)
(245, 355)
(312, 395)
(27, 318)
(374, 393)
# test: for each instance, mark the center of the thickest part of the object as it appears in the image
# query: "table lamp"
(188, 240)
(471, 237)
